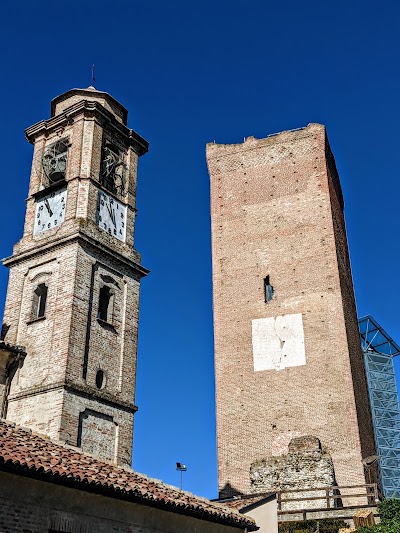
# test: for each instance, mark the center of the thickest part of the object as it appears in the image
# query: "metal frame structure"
(379, 350)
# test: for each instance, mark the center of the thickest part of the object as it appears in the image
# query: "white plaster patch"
(278, 342)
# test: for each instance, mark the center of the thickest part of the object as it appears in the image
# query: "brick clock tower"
(73, 293)
(291, 393)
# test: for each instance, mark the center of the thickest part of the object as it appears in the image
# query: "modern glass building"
(379, 350)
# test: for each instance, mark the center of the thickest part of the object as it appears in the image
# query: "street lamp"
(182, 468)
(368, 462)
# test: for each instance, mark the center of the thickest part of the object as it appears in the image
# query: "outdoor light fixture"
(182, 468)
(368, 462)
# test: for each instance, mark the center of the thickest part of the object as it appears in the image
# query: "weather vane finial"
(93, 78)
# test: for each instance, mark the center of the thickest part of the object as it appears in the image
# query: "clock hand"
(112, 214)
(46, 203)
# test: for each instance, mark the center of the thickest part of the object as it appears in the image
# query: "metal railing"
(333, 498)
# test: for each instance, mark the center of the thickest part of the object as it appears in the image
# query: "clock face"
(50, 210)
(111, 216)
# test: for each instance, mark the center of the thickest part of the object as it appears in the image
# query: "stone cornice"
(65, 183)
(83, 239)
(88, 109)
(90, 91)
(80, 390)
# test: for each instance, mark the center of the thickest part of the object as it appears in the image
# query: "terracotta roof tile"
(24, 452)
(242, 502)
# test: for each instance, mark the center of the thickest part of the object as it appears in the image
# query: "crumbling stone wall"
(305, 466)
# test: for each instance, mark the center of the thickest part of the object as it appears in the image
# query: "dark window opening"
(104, 304)
(54, 160)
(39, 301)
(268, 290)
(99, 379)
(112, 168)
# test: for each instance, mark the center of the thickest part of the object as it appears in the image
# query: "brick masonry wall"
(40, 412)
(46, 340)
(100, 429)
(110, 347)
(350, 313)
(271, 210)
(30, 506)
(85, 136)
(62, 105)
(68, 346)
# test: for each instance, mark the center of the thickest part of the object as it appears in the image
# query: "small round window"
(99, 379)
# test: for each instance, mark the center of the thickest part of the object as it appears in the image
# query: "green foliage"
(389, 512)
(326, 525)
(389, 509)
(388, 526)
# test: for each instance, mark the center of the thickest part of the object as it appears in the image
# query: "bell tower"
(73, 293)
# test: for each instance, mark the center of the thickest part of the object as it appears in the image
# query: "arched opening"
(39, 301)
(54, 160)
(104, 312)
(112, 168)
(99, 379)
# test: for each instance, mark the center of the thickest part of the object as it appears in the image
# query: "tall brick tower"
(288, 361)
(73, 293)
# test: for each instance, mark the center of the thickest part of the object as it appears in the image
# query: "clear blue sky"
(191, 72)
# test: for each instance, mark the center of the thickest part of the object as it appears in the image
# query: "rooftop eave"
(86, 107)
(240, 522)
(91, 91)
(10, 357)
(29, 454)
(12, 349)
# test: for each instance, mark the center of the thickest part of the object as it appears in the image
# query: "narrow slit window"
(39, 301)
(104, 304)
(112, 168)
(268, 290)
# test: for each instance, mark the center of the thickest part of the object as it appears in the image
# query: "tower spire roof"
(65, 100)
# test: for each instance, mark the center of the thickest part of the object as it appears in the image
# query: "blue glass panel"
(379, 350)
